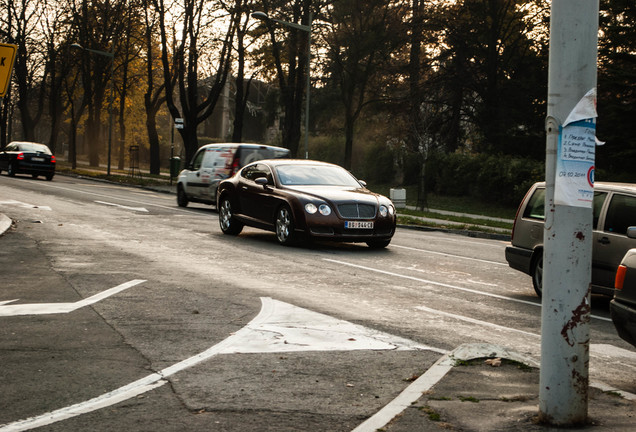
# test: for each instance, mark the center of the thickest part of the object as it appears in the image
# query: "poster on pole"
(574, 182)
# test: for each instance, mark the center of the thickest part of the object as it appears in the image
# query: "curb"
(466, 233)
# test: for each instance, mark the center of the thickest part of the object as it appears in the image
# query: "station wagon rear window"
(536, 206)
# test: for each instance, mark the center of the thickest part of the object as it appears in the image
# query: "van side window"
(621, 214)
(210, 158)
(536, 206)
(196, 162)
(599, 200)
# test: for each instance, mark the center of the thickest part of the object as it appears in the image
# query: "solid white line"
(445, 285)
(475, 321)
(123, 393)
(175, 208)
(140, 209)
(408, 396)
(449, 255)
(133, 389)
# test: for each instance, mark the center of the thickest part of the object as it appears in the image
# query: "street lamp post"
(306, 28)
(111, 55)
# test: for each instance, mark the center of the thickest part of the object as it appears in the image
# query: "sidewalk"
(484, 387)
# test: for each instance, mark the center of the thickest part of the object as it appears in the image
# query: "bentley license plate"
(358, 225)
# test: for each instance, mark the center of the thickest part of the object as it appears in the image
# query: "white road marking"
(444, 285)
(175, 208)
(607, 350)
(139, 209)
(279, 327)
(282, 327)
(408, 396)
(24, 205)
(57, 308)
(475, 321)
(431, 377)
(450, 255)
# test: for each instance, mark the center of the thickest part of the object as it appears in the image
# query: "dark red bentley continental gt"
(304, 199)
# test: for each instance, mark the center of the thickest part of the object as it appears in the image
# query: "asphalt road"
(120, 310)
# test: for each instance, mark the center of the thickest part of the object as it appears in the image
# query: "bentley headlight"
(324, 209)
(311, 208)
(384, 211)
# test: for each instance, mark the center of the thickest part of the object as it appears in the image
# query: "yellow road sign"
(7, 56)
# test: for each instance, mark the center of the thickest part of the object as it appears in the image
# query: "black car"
(299, 199)
(623, 306)
(22, 157)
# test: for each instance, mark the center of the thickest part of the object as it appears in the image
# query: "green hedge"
(493, 178)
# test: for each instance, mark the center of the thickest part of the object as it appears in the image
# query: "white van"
(213, 163)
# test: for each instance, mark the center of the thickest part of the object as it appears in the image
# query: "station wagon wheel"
(182, 198)
(537, 274)
(229, 225)
(285, 226)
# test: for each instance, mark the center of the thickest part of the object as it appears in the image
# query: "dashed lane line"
(444, 285)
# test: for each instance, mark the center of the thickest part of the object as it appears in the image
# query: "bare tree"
(154, 96)
(196, 45)
(23, 29)
(363, 36)
(291, 67)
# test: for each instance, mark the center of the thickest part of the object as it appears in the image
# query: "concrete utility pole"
(563, 393)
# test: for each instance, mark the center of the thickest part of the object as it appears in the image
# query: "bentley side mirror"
(261, 181)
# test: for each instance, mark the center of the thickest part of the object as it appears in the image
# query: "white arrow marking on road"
(56, 308)
(24, 205)
(139, 209)
(279, 327)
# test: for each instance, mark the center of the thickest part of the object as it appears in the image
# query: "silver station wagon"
(614, 233)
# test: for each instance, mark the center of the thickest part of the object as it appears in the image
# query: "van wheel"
(537, 275)
(182, 198)
(229, 224)
(285, 226)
